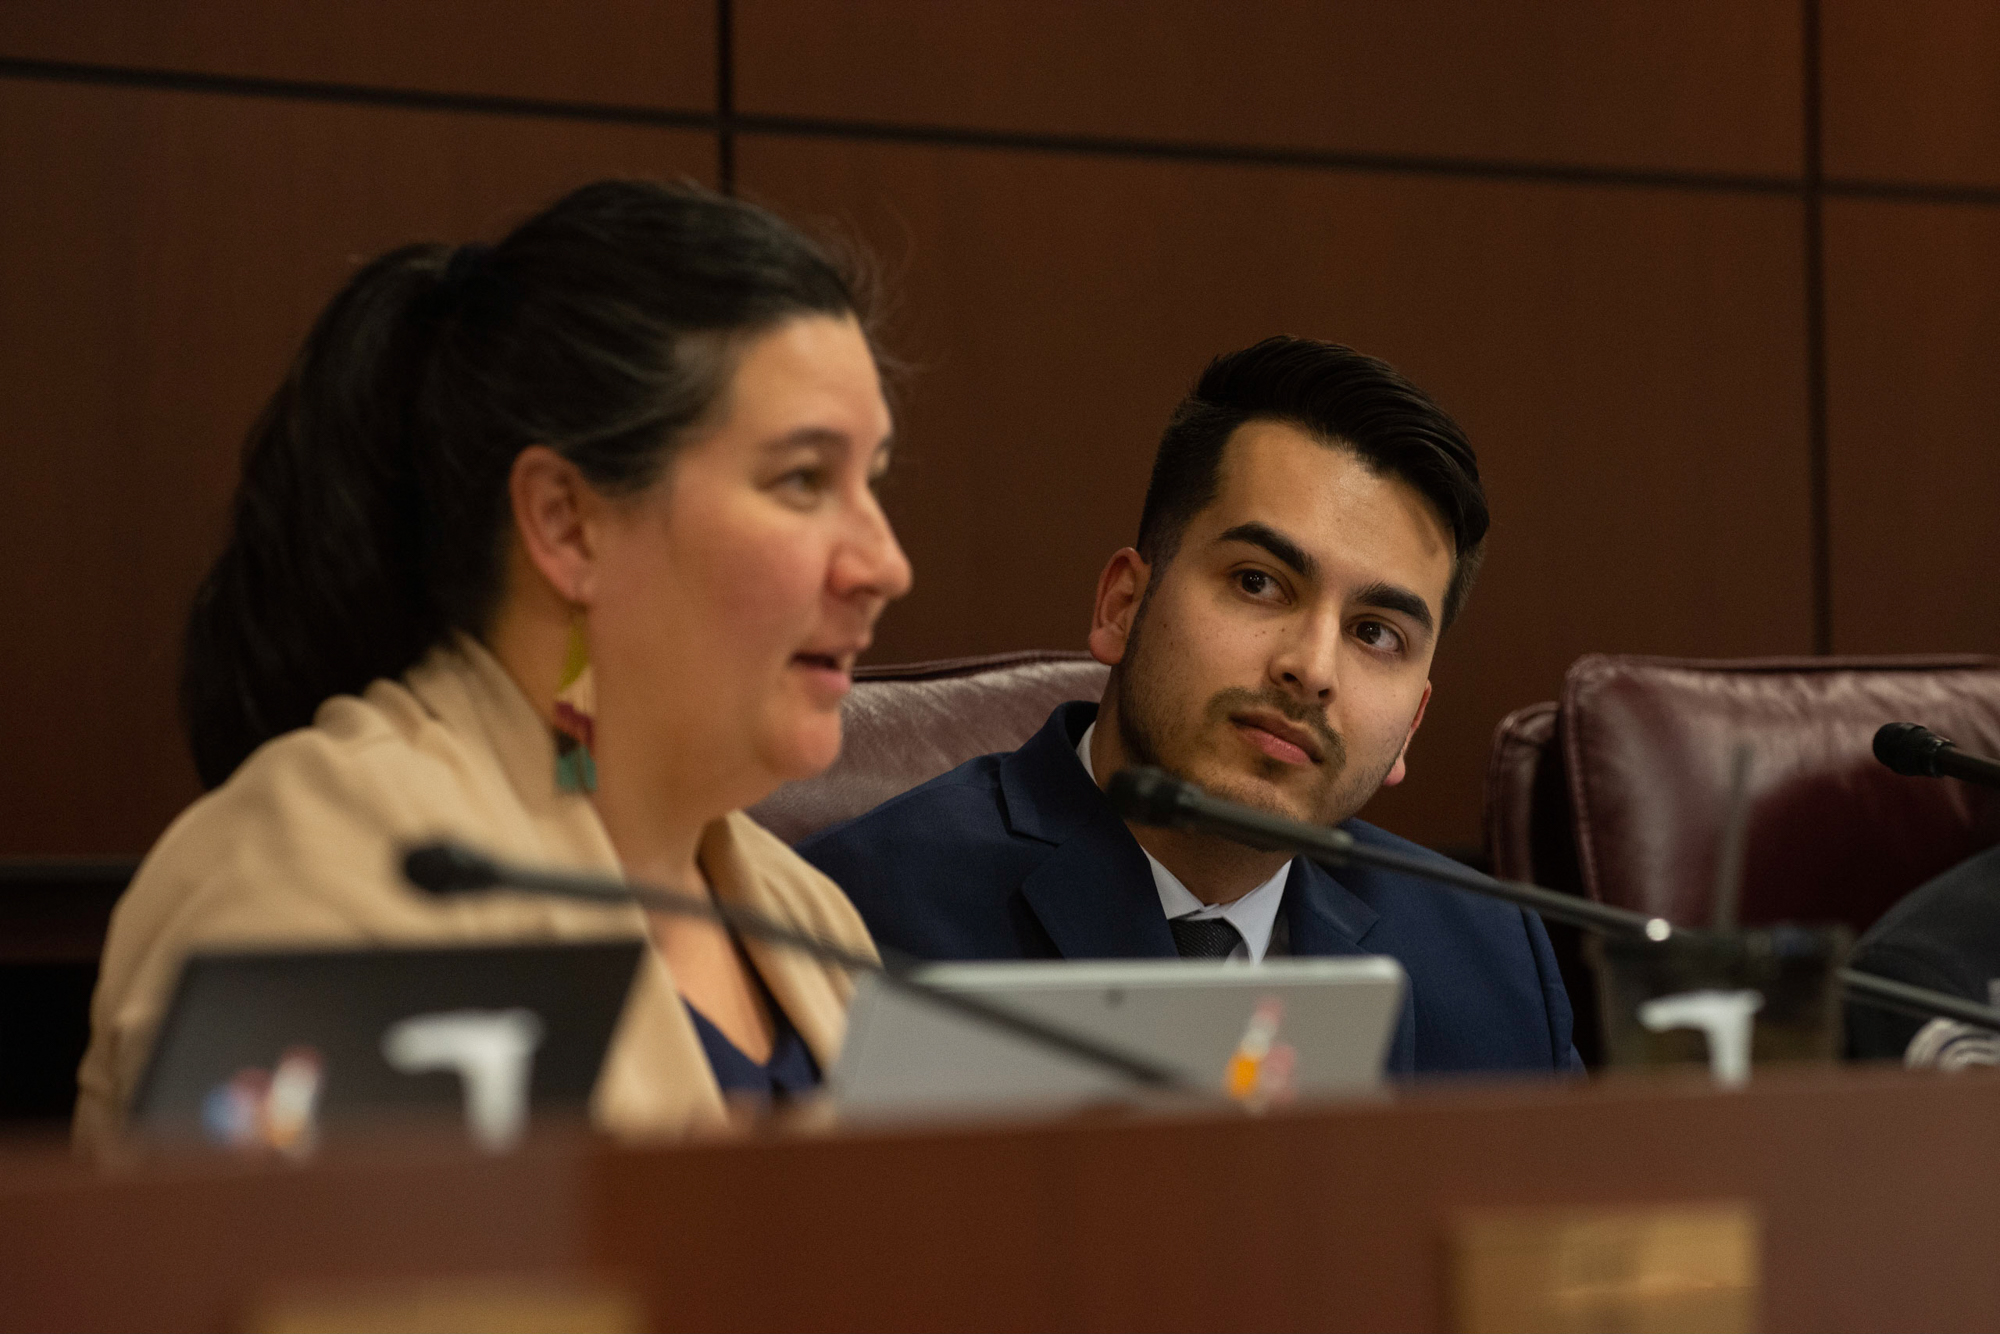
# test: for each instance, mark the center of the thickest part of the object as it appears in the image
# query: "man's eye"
(1255, 582)
(1375, 634)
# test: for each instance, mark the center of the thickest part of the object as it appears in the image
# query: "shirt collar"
(1253, 915)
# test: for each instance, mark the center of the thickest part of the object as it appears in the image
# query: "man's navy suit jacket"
(1020, 856)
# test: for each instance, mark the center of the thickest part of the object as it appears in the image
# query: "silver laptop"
(1285, 1028)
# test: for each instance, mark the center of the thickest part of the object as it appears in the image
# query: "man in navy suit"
(1313, 524)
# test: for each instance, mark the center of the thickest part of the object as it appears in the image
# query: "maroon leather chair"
(907, 724)
(1619, 791)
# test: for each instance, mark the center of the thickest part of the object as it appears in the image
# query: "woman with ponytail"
(565, 548)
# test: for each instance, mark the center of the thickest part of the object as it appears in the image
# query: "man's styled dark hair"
(1347, 400)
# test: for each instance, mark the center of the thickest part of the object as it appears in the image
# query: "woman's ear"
(1120, 590)
(553, 507)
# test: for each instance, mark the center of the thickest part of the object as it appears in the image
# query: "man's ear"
(553, 506)
(1401, 769)
(1120, 590)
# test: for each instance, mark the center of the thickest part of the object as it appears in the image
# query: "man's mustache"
(1333, 750)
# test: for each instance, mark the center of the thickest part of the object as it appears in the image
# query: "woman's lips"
(827, 672)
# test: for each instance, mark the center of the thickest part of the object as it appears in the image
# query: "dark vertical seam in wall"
(725, 98)
(1817, 463)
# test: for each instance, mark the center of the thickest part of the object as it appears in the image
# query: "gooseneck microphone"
(450, 868)
(1152, 796)
(1911, 749)
(446, 868)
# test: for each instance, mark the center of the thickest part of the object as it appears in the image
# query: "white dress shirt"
(1254, 915)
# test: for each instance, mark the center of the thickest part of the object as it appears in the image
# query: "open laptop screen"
(356, 1033)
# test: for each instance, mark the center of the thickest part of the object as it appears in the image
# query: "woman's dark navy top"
(790, 1071)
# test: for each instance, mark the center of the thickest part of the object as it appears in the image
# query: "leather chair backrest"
(1528, 834)
(1833, 836)
(905, 725)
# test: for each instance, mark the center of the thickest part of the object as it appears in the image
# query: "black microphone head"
(1147, 795)
(1909, 749)
(449, 868)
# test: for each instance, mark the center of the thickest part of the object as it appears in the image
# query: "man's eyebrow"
(1392, 597)
(1270, 539)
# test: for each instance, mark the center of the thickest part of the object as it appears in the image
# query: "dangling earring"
(576, 721)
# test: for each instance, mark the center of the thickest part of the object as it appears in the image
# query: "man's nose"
(1308, 661)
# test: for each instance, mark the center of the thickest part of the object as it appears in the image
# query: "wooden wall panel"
(656, 53)
(1911, 90)
(1710, 85)
(1628, 362)
(161, 255)
(1913, 324)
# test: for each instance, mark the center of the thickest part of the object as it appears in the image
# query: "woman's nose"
(872, 560)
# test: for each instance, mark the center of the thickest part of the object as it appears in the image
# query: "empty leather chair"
(1645, 758)
(1620, 790)
(905, 725)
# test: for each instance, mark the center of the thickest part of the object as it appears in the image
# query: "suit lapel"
(1094, 894)
(1095, 898)
(1324, 916)
(1046, 792)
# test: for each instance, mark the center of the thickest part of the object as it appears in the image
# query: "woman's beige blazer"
(301, 846)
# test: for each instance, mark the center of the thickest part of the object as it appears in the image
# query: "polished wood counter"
(1873, 1193)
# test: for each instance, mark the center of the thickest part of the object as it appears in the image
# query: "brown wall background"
(1715, 287)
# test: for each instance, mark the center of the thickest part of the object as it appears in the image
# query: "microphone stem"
(1968, 768)
(894, 969)
(1548, 903)
(1868, 988)
(682, 904)
(1336, 848)
(1919, 1002)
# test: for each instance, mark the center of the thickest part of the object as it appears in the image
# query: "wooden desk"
(1876, 1192)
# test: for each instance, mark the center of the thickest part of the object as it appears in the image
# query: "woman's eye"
(804, 482)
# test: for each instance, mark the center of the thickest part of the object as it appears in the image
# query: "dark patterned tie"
(1204, 938)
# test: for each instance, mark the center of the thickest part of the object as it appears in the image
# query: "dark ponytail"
(372, 518)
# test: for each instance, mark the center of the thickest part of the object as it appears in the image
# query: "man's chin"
(1269, 796)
